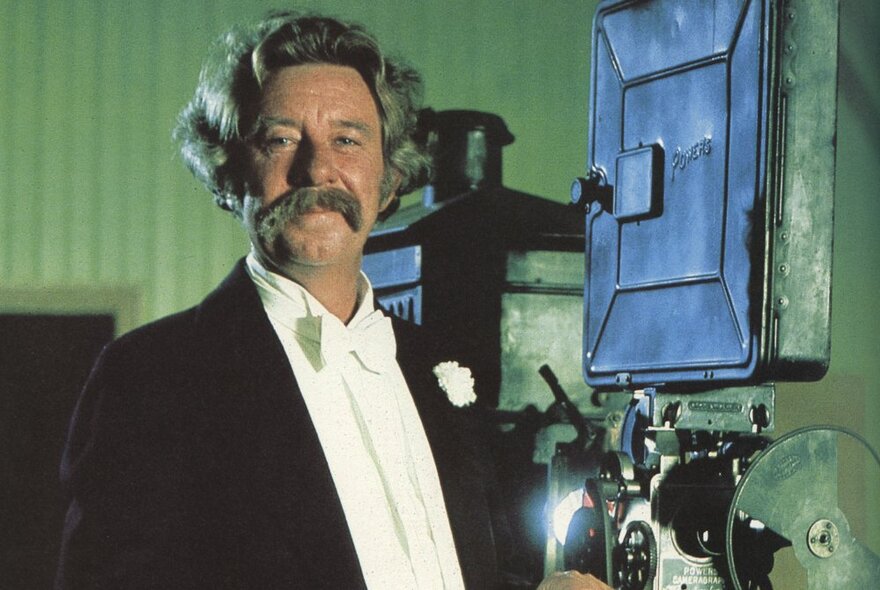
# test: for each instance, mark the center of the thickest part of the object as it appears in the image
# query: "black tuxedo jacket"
(191, 462)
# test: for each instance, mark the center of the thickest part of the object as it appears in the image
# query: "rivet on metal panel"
(784, 269)
(789, 49)
(782, 302)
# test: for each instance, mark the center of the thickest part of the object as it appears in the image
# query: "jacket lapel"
(456, 439)
(291, 474)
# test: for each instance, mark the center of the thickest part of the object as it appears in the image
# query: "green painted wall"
(91, 192)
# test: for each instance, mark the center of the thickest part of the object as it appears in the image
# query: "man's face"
(315, 169)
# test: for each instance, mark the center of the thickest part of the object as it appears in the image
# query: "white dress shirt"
(370, 432)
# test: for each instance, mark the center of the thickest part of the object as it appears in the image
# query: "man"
(281, 434)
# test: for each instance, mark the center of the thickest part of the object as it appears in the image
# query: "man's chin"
(290, 260)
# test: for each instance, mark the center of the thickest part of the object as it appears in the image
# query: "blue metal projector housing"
(709, 196)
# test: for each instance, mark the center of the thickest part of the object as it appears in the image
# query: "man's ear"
(392, 203)
(227, 202)
(228, 199)
(390, 199)
(232, 181)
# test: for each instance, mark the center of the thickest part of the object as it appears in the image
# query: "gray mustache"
(288, 208)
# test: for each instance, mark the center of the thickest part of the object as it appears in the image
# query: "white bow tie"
(371, 341)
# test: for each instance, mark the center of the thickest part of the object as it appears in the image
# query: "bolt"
(759, 416)
(671, 413)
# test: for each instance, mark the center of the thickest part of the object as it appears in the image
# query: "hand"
(572, 580)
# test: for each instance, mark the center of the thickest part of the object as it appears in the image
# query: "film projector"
(708, 202)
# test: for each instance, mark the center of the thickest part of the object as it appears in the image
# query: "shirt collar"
(290, 305)
(278, 291)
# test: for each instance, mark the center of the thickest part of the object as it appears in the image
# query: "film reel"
(792, 488)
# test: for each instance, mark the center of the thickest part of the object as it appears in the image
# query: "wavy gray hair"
(212, 127)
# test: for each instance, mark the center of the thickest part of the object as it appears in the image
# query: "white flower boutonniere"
(457, 382)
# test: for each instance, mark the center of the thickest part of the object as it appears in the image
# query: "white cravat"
(370, 432)
(371, 341)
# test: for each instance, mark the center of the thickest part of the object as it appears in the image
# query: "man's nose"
(314, 165)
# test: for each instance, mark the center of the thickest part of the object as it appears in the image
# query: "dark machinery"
(497, 275)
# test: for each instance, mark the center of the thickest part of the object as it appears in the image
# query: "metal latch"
(638, 183)
(637, 192)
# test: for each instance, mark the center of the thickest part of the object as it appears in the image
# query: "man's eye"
(345, 140)
(278, 141)
(277, 144)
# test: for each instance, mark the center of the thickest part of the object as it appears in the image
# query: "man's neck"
(334, 287)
